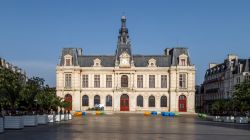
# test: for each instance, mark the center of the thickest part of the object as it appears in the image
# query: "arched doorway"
(68, 98)
(182, 103)
(124, 102)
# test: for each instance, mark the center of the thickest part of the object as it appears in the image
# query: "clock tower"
(123, 51)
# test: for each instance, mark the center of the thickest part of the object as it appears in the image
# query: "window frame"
(85, 101)
(97, 82)
(151, 101)
(109, 100)
(124, 81)
(182, 80)
(108, 81)
(164, 81)
(164, 101)
(97, 99)
(139, 102)
(151, 81)
(85, 81)
(139, 81)
(68, 80)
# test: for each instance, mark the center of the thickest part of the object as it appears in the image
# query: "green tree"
(241, 97)
(47, 99)
(11, 84)
(218, 107)
(33, 87)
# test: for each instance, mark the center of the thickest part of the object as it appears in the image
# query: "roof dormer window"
(152, 62)
(97, 62)
(183, 60)
(67, 60)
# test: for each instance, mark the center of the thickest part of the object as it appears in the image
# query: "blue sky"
(33, 33)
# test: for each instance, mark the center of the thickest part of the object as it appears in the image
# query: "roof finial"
(123, 19)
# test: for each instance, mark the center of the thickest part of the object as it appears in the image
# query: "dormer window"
(97, 62)
(152, 62)
(183, 60)
(67, 60)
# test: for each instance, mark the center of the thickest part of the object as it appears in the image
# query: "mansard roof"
(170, 58)
(167, 60)
(88, 61)
(161, 60)
(236, 63)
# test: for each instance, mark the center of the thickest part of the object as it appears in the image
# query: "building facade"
(8, 65)
(220, 79)
(127, 82)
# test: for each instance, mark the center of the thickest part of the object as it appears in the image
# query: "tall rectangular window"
(97, 81)
(183, 62)
(182, 81)
(108, 81)
(164, 81)
(67, 62)
(85, 81)
(238, 80)
(139, 81)
(67, 80)
(151, 81)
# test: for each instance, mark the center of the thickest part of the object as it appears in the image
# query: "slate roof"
(88, 61)
(222, 67)
(161, 60)
(109, 60)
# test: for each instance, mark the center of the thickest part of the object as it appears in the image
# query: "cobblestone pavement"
(132, 127)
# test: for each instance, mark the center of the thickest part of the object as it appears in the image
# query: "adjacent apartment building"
(220, 79)
(125, 81)
(8, 65)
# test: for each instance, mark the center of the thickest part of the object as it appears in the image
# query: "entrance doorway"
(182, 103)
(68, 98)
(124, 102)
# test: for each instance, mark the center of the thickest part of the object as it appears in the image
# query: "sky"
(33, 32)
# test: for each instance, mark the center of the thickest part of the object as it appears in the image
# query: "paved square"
(132, 127)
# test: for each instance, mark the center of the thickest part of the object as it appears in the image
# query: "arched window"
(140, 101)
(164, 101)
(85, 100)
(96, 99)
(124, 81)
(108, 100)
(182, 97)
(151, 101)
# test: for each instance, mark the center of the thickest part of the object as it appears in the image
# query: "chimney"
(166, 51)
(79, 51)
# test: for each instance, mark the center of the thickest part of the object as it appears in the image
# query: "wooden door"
(182, 103)
(68, 98)
(124, 103)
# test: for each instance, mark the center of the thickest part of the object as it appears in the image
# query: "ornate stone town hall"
(127, 82)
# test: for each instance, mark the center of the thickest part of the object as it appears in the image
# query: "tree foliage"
(11, 84)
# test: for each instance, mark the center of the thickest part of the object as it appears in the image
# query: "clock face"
(124, 61)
